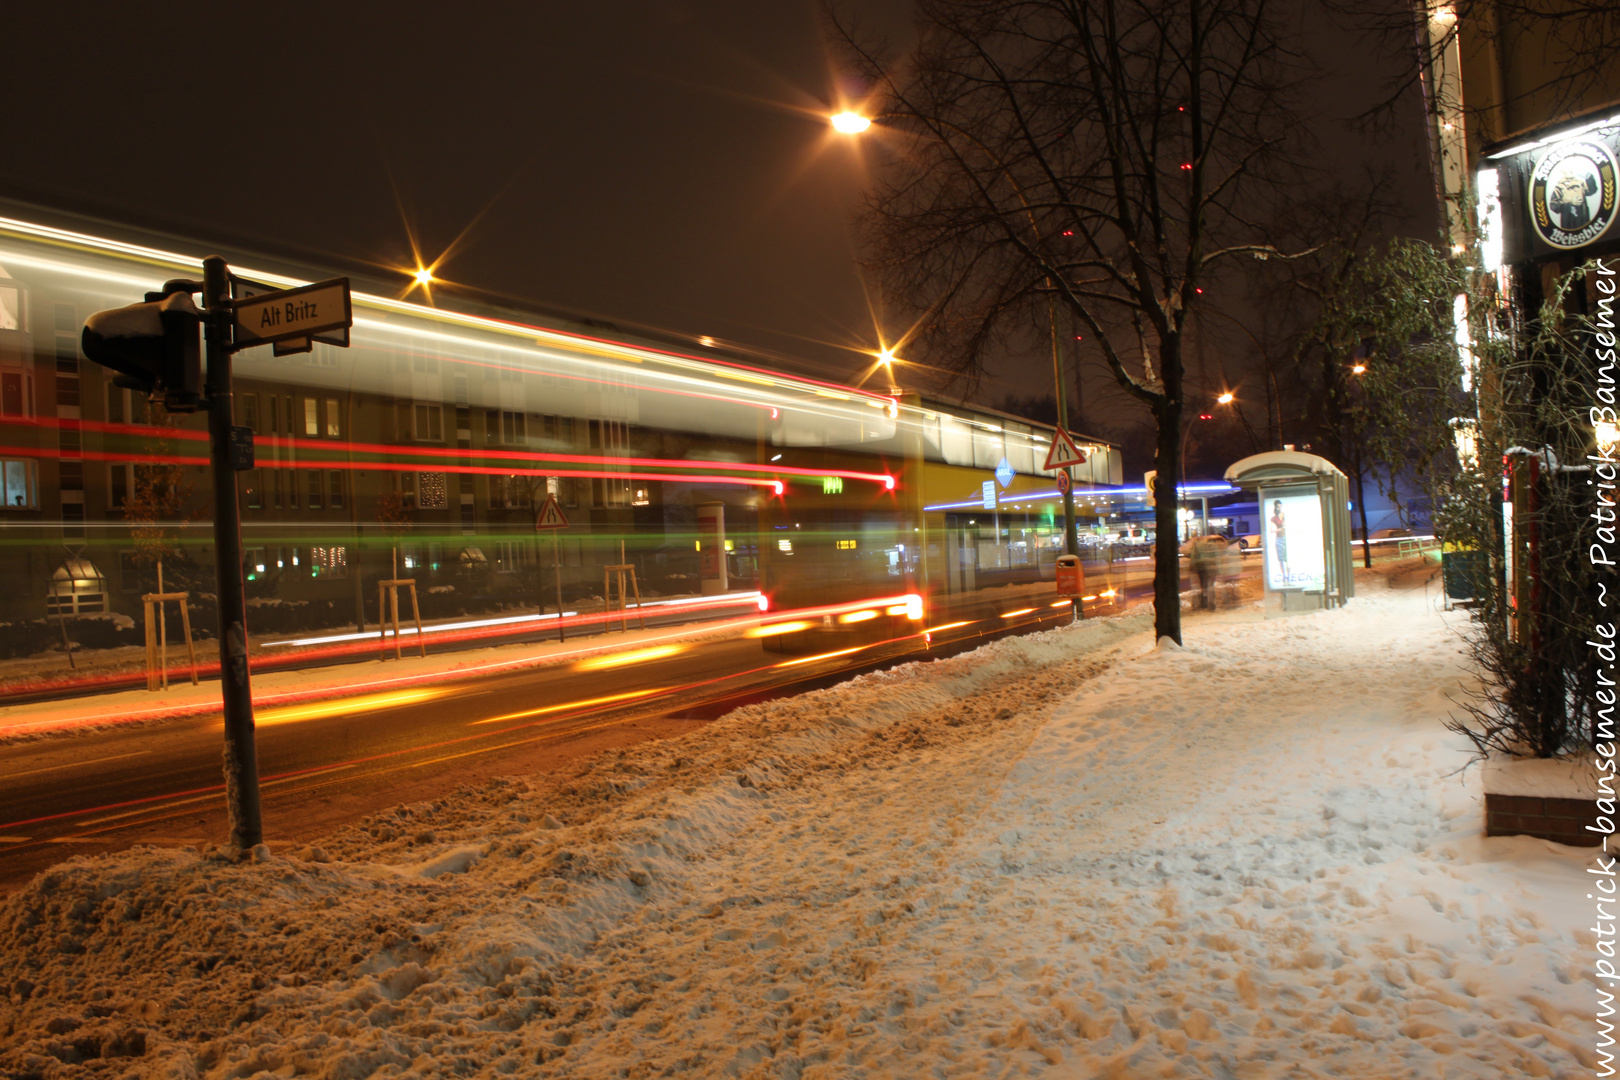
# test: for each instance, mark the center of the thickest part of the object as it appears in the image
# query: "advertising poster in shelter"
(1292, 528)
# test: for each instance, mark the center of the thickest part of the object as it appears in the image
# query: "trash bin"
(1459, 576)
(1071, 576)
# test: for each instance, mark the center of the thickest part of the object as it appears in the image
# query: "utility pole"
(241, 754)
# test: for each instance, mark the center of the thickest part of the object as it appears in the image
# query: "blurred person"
(1207, 556)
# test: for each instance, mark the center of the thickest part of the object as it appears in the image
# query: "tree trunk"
(1166, 547)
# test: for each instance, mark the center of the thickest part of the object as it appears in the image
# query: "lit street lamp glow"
(1358, 369)
(886, 357)
(423, 276)
(850, 123)
(1226, 398)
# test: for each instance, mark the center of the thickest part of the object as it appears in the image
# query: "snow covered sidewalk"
(1070, 854)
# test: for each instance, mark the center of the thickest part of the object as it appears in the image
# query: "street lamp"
(850, 123)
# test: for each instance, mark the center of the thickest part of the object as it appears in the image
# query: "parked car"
(1247, 543)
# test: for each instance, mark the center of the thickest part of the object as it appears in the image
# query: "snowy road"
(1068, 854)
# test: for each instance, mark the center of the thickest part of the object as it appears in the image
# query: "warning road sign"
(1063, 452)
(550, 515)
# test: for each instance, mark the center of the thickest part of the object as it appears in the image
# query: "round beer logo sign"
(1572, 194)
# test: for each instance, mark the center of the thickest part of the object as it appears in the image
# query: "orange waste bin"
(1071, 576)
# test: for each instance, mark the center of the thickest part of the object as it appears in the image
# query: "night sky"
(652, 162)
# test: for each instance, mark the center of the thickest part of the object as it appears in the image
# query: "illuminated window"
(312, 416)
(21, 484)
(846, 545)
(334, 428)
(432, 492)
(329, 562)
(12, 308)
(785, 545)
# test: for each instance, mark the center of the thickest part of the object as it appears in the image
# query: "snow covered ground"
(1071, 854)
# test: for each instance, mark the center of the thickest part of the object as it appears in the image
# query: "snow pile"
(1069, 854)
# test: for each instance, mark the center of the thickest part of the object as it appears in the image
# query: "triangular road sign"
(550, 515)
(1063, 452)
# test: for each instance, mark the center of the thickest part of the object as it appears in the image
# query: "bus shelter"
(1304, 528)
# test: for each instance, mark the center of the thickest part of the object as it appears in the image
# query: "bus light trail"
(340, 706)
(778, 628)
(634, 656)
(585, 704)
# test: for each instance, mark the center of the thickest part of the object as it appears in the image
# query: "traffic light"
(153, 346)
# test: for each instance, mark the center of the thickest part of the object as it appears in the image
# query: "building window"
(118, 485)
(315, 489)
(329, 562)
(16, 391)
(67, 373)
(253, 489)
(334, 427)
(13, 310)
(429, 423)
(21, 479)
(512, 428)
(432, 491)
(511, 555)
(334, 488)
(312, 417)
(250, 412)
(253, 563)
(70, 475)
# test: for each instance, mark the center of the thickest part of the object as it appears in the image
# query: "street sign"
(1063, 452)
(242, 288)
(1063, 481)
(550, 515)
(287, 314)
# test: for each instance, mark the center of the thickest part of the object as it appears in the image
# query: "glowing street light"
(1226, 398)
(850, 123)
(1358, 369)
(886, 357)
(424, 276)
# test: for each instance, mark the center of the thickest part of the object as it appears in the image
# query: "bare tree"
(157, 501)
(1099, 157)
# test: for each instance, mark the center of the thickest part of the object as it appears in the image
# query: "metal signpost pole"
(241, 756)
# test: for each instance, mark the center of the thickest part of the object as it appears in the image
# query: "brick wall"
(1561, 820)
